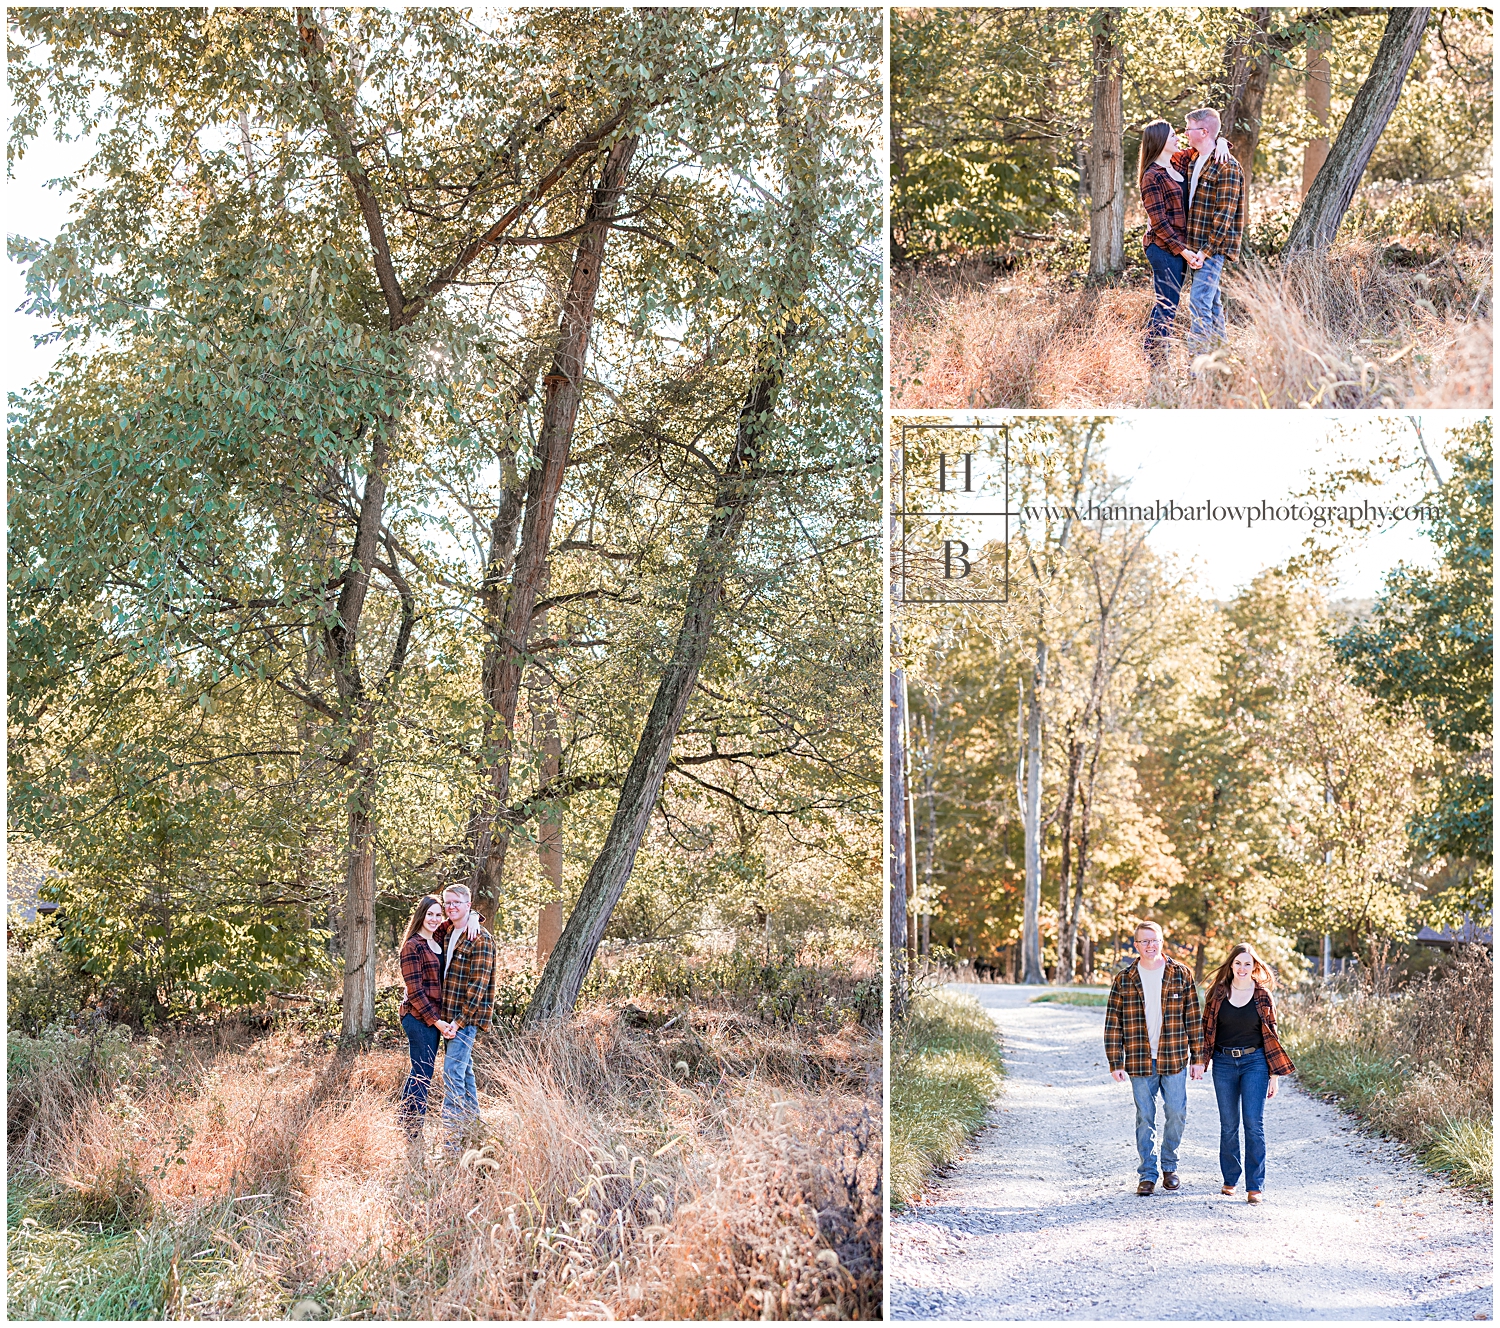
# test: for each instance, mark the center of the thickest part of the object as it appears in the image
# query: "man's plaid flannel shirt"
(1161, 196)
(469, 984)
(1213, 222)
(422, 972)
(1127, 1044)
(1277, 1061)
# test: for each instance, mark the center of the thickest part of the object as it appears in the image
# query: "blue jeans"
(423, 1041)
(1173, 1090)
(460, 1096)
(1166, 277)
(1206, 305)
(1240, 1085)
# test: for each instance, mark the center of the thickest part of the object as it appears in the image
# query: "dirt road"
(1041, 1221)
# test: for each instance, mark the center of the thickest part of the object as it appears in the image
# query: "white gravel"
(1040, 1219)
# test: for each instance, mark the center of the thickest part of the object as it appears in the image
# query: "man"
(1151, 1037)
(1216, 185)
(468, 1000)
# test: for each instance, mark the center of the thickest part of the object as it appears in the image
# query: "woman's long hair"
(1153, 140)
(1259, 971)
(420, 916)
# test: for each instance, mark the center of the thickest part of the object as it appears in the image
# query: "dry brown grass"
(1343, 330)
(715, 1167)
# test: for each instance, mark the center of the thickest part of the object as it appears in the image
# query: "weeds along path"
(1041, 1221)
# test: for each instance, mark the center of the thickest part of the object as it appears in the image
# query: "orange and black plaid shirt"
(1213, 217)
(1277, 1061)
(422, 974)
(469, 984)
(1166, 218)
(1127, 1044)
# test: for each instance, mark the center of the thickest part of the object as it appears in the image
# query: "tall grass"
(1396, 314)
(946, 1068)
(1417, 1064)
(723, 1163)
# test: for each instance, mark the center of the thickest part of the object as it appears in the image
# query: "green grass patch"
(1071, 998)
(946, 1067)
(1465, 1149)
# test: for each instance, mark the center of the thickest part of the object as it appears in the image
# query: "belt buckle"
(1236, 1052)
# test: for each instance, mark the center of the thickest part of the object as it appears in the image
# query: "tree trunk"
(1070, 786)
(1248, 70)
(1333, 191)
(1081, 866)
(1107, 152)
(549, 839)
(564, 388)
(897, 835)
(1319, 93)
(341, 643)
(738, 488)
(1031, 939)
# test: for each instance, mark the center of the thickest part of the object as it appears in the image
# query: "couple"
(1152, 1034)
(1192, 199)
(448, 968)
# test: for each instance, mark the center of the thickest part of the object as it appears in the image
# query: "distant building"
(1468, 933)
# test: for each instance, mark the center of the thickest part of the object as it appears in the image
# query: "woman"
(1239, 1038)
(422, 1009)
(1163, 195)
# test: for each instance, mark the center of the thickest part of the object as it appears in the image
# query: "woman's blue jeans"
(423, 1040)
(1166, 276)
(1240, 1085)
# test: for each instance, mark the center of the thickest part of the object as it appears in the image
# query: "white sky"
(1246, 457)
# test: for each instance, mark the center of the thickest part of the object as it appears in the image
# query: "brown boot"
(1252, 1196)
(1145, 1187)
(1169, 1181)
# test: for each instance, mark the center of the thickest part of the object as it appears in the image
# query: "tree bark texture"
(736, 492)
(1032, 969)
(1107, 152)
(564, 388)
(897, 866)
(1319, 94)
(1247, 72)
(1333, 190)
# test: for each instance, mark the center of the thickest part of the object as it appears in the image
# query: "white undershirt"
(1151, 986)
(1197, 171)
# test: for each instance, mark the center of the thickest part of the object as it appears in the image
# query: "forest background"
(460, 466)
(1276, 767)
(1016, 223)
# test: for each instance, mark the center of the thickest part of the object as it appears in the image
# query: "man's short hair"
(1148, 925)
(1205, 113)
(461, 890)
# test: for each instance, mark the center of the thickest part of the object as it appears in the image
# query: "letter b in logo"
(950, 557)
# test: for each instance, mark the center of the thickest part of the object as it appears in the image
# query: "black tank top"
(1238, 1027)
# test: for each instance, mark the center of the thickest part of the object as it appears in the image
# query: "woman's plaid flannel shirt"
(1277, 1061)
(422, 972)
(1161, 196)
(1127, 1043)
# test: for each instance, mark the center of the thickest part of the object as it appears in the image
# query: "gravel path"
(1040, 1219)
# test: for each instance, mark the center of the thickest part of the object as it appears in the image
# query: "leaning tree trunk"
(564, 387)
(898, 832)
(737, 489)
(1107, 151)
(1332, 192)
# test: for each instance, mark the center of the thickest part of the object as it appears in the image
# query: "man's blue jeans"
(1206, 305)
(1240, 1085)
(1173, 1090)
(460, 1096)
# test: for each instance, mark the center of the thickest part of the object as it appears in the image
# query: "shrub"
(43, 982)
(945, 1069)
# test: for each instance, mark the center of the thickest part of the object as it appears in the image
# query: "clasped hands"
(447, 1027)
(1194, 257)
(1195, 1071)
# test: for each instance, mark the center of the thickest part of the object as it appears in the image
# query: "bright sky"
(1246, 457)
